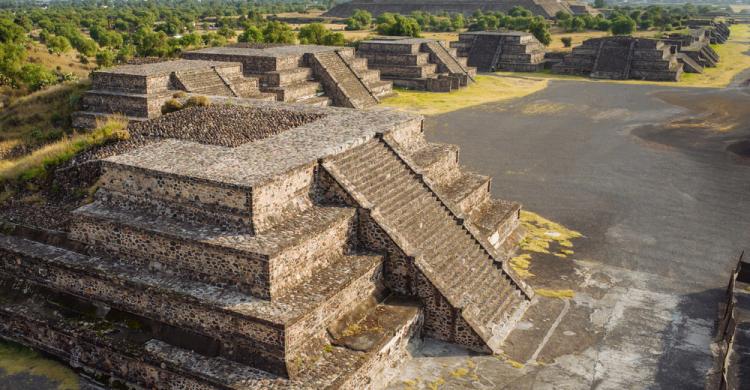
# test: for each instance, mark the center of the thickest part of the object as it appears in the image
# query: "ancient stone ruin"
(622, 58)
(546, 8)
(488, 51)
(139, 91)
(718, 31)
(693, 50)
(306, 73)
(417, 63)
(304, 256)
(315, 75)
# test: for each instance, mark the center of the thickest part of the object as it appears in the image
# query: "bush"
(36, 77)
(105, 58)
(252, 34)
(179, 95)
(567, 41)
(198, 101)
(278, 32)
(360, 20)
(400, 26)
(317, 34)
(171, 105)
(623, 25)
(58, 44)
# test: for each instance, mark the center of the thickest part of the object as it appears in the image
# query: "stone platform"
(417, 63)
(622, 58)
(545, 8)
(693, 49)
(489, 51)
(138, 92)
(304, 258)
(312, 74)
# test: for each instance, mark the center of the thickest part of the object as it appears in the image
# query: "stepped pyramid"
(622, 57)
(489, 51)
(305, 259)
(312, 74)
(417, 63)
(139, 91)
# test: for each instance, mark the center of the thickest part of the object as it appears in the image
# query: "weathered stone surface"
(510, 50)
(546, 8)
(245, 255)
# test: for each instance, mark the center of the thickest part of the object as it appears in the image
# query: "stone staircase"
(447, 62)
(307, 259)
(448, 253)
(344, 85)
(482, 54)
(203, 82)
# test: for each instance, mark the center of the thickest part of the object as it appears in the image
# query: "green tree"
(57, 44)
(599, 4)
(36, 77)
(278, 32)
(458, 21)
(401, 26)
(360, 20)
(540, 29)
(623, 25)
(226, 32)
(251, 34)
(105, 58)
(317, 34)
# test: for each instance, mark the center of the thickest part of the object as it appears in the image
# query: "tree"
(317, 34)
(36, 77)
(58, 44)
(226, 32)
(540, 29)
(623, 25)
(562, 15)
(360, 20)
(105, 58)
(520, 11)
(599, 4)
(278, 32)
(567, 41)
(577, 24)
(252, 34)
(458, 21)
(400, 26)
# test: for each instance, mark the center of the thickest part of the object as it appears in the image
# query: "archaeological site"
(488, 51)
(268, 253)
(546, 8)
(417, 63)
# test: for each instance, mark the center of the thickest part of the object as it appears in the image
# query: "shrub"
(171, 105)
(567, 41)
(623, 25)
(36, 77)
(179, 95)
(251, 34)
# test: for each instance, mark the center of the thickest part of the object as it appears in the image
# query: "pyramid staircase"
(484, 52)
(312, 273)
(347, 87)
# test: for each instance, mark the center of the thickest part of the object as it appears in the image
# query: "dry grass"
(36, 163)
(67, 62)
(486, 89)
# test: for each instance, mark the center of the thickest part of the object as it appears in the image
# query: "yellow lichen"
(541, 233)
(459, 372)
(411, 384)
(520, 264)
(560, 294)
(434, 385)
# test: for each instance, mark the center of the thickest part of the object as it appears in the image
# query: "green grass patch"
(16, 359)
(486, 89)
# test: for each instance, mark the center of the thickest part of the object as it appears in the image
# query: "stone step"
(420, 222)
(267, 334)
(147, 171)
(395, 60)
(381, 88)
(467, 191)
(437, 161)
(316, 101)
(497, 221)
(371, 324)
(342, 84)
(266, 265)
(295, 92)
(409, 71)
(285, 77)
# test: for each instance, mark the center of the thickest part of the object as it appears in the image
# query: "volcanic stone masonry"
(693, 49)
(417, 63)
(546, 8)
(306, 257)
(139, 91)
(316, 75)
(718, 31)
(489, 51)
(306, 73)
(622, 58)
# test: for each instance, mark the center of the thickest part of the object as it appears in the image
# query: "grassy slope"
(486, 89)
(66, 62)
